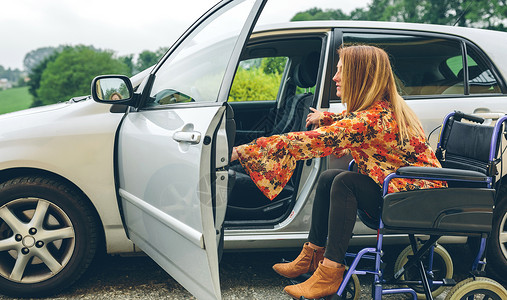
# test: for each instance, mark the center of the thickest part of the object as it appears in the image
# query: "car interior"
(426, 65)
(286, 112)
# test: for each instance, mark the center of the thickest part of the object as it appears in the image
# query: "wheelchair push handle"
(458, 115)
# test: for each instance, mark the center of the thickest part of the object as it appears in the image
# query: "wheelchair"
(469, 154)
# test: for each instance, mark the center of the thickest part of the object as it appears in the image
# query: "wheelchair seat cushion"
(452, 211)
(370, 221)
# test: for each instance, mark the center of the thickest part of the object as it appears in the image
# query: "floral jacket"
(371, 137)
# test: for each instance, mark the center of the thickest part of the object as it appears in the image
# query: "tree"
(319, 14)
(466, 13)
(148, 58)
(129, 61)
(37, 56)
(72, 71)
(253, 84)
(258, 79)
(35, 76)
(273, 65)
(486, 14)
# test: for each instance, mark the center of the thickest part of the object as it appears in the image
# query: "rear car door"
(173, 150)
(437, 73)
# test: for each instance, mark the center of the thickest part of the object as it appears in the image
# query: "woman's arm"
(328, 118)
(270, 161)
(313, 117)
(234, 154)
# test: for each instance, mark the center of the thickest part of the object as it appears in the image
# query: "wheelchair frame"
(426, 281)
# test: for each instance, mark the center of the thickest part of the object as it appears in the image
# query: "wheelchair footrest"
(301, 278)
(449, 282)
(330, 297)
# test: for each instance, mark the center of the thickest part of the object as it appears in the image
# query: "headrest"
(473, 72)
(306, 71)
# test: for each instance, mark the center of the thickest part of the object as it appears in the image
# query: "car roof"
(494, 43)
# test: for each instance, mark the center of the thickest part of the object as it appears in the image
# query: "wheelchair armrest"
(442, 173)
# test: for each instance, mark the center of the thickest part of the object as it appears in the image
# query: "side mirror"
(112, 89)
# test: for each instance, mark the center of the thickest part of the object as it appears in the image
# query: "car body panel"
(167, 201)
(74, 140)
(174, 204)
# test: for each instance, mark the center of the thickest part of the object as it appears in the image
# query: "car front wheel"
(48, 236)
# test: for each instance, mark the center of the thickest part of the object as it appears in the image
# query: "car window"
(258, 79)
(480, 77)
(194, 71)
(425, 65)
(422, 65)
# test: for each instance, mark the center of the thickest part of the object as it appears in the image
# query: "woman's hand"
(234, 154)
(313, 117)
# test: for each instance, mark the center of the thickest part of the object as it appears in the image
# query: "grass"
(15, 99)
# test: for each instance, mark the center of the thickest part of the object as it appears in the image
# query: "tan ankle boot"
(324, 282)
(307, 261)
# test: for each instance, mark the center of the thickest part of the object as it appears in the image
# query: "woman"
(115, 96)
(381, 133)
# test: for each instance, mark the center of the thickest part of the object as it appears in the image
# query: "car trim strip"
(177, 226)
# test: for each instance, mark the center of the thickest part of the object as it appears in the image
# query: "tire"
(48, 236)
(442, 268)
(352, 290)
(497, 241)
(478, 288)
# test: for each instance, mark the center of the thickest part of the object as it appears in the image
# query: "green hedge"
(254, 85)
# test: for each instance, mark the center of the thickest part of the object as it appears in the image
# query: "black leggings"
(338, 196)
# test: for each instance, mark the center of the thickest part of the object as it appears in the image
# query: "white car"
(151, 171)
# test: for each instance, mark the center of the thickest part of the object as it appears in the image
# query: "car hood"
(35, 110)
(33, 116)
(55, 119)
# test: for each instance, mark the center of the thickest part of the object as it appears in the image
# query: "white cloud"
(124, 26)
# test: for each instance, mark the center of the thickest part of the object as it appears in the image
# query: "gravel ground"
(246, 275)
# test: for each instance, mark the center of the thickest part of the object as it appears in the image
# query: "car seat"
(296, 106)
(481, 81)
(246, 201)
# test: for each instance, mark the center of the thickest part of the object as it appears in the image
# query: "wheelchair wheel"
(442, 268)
(478, 288)
(497, 244)
(352, 290)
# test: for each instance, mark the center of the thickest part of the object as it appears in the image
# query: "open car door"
(173, 149)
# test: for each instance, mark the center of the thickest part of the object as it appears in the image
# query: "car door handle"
(192, 137)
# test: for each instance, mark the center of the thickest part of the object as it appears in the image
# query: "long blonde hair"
(367, 76)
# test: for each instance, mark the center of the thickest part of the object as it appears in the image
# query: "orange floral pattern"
(370, 136)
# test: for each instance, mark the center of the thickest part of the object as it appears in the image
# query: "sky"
(123, 26)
